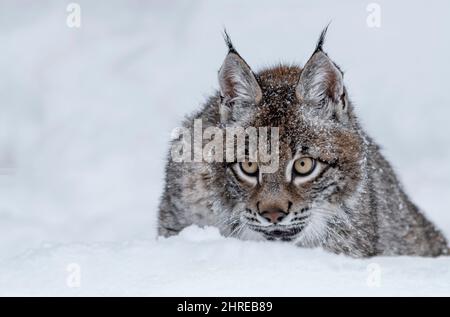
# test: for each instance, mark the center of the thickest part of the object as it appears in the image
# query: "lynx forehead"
(332, 188)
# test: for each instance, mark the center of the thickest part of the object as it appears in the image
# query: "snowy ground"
(85, 116)
(201, 262)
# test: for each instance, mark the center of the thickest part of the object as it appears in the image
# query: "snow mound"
(200, 262)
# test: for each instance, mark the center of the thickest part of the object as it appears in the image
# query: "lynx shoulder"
(324, 183)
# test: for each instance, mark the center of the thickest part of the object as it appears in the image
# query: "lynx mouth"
(278, 232)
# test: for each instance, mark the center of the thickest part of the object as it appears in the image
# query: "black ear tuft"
(321, 41)
(236, 79)
(321, 80)
(228, 42)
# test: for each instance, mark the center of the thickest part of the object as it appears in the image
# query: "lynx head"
(320, 147)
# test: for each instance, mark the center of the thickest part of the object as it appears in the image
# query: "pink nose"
(273, 215)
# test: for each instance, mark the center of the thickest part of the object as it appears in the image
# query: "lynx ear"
(236, 79)
(321, 81)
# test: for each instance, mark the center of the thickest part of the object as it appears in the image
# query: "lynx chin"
(332, 189)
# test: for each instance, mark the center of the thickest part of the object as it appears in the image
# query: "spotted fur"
(354, 205)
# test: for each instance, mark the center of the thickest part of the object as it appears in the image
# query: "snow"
(85, 116)
(200, 262)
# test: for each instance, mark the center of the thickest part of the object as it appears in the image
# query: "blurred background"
(86, 113)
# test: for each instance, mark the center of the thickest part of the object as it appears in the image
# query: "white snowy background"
(85, 116)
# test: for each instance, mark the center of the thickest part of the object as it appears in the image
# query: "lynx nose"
(274, 215)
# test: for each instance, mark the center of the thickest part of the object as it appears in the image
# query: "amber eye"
(249, 168)
(304, 166)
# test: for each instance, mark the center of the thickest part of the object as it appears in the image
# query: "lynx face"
(319, 151)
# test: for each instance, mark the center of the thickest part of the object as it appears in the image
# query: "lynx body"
(333, 188)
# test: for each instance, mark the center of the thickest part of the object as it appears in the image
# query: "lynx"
(332, 189)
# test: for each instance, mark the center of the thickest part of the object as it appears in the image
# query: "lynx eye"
(304, 166)
(249, 168)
